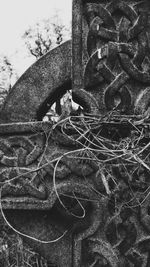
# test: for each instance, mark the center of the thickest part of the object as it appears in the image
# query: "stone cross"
(79, 194)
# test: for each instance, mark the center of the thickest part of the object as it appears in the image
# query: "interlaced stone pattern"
(118, 68)
(78, 190)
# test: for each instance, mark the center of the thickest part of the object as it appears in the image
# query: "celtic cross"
(78, 190)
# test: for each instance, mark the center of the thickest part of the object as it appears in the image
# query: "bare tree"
(7, 72)
(45, 35)
(7, 77)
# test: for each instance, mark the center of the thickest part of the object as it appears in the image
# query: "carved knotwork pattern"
(122, 238)
(118, 69)
(115, 230)
(114, 198)
(20, 155)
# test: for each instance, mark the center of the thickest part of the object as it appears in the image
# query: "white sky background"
(17, 15)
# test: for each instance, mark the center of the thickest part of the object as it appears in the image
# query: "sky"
(17, 15)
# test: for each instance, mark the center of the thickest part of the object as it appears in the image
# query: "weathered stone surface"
(45, 206)
(27, 183)
(85, 180)
(48, 78)
(111, 53)
(44, 226)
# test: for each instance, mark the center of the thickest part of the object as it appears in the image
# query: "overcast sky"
(17, 15)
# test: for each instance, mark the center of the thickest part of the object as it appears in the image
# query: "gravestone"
(78, 191)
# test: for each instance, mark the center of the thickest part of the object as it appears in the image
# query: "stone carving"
(117, 65)
(19, 153)
(86, 179)
(36, 88)
(115, 71)
(104, 223)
